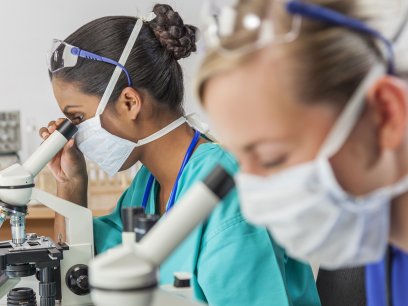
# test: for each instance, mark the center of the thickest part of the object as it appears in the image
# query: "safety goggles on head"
(63, 55)
(225, 26)
(234, 31)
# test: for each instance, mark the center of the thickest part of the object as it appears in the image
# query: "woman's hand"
(68, 166)
(69, 169)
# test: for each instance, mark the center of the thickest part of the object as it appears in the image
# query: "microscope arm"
(79, 223)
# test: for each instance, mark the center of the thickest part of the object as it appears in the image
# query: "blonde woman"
(311, 97)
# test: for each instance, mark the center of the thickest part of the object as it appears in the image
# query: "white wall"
(26, 30)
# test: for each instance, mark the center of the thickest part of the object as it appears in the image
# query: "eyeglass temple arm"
(319, 13)
(96, 57)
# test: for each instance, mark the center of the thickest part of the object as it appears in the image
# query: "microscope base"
(52, 261)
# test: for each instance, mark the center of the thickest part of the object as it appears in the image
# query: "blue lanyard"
(172, 199)
(386, 280)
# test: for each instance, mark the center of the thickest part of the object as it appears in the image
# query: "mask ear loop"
(122, 61)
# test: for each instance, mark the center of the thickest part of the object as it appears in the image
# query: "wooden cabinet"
(40, 220)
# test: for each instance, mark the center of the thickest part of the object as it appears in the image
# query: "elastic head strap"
(350, 115)
(353, 110)
(123, 59)
(172, 126)
(320, 13)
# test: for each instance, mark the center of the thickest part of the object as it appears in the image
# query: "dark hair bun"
(177, 38)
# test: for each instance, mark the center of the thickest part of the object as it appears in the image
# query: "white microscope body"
(17, 190)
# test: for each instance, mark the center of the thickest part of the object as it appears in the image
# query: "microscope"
(127, 275)
(61, 268)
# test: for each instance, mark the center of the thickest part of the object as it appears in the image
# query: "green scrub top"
(232, 261)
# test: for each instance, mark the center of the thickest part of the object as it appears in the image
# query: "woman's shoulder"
(141, 177)
(207, 156)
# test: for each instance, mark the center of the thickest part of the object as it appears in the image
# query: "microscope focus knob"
(77, 279)
(83, 282)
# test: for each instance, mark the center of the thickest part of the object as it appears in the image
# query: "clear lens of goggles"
(254, 25)
(61, 56)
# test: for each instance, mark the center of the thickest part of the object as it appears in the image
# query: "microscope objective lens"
(18, 232)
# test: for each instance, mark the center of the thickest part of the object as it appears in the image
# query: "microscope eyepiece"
(67, 129)
(220, 182)
(50, 147)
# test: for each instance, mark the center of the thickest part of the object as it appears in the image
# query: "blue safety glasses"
(63, 55)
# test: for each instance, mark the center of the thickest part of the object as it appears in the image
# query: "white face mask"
(109, 151)
(308, 212)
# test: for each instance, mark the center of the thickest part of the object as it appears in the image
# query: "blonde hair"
(326, 62)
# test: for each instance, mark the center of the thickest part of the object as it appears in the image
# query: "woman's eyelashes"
(273, 163)
(76, 118)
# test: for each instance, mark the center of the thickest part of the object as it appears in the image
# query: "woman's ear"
(130, 103)
(389, 99)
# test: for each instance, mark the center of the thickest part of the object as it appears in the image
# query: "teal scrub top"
(232, 261)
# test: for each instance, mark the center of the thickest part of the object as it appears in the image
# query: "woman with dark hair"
(140, 118)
